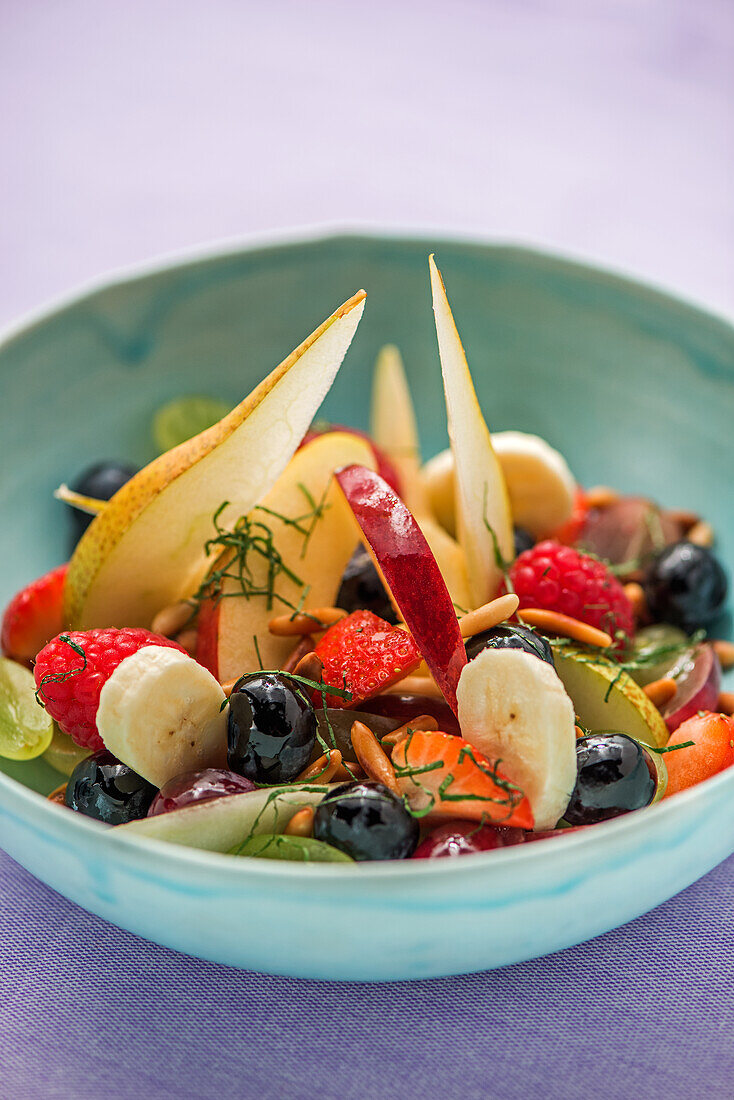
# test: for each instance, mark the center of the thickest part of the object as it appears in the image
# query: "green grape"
(25, 727)
(302, 849)
(663, 652)
(63, 754)
(185, 417)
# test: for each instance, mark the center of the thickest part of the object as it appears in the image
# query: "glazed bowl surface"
(633, 386)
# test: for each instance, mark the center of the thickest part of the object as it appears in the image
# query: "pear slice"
(145, 550)
(228, 629)
(396, 434)
(394, 426)
(221, 823)
(482, 502)
(607, 698)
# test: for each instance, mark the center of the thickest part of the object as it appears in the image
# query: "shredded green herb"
(60, 677)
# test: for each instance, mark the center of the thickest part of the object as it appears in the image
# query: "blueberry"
(361, 588)
(271, 728)
(367, 821)
(685, 586)
(511, 636)
(523, 541)
(104, 788)
(101, 482)
(614, 775)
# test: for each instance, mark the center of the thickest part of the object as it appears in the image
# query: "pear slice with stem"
(394, 429)
(145, 550)
(484, 519)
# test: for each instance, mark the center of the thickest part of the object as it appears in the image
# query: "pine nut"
(304, 646)
(725, 652)
(310, 667)
(348, 771)
(310, 621)
(422, 722)
(489, 615)
(188, 639)
(172, 619)
(415, 685)
(726, 702)
(58, 796)
(372, 757)
(557, 623)
(702, 534)
(635, 593)
(600, 496)
(322, 769)
(661, 691)
(301, 824)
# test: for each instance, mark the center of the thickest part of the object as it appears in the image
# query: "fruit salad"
(286, 639)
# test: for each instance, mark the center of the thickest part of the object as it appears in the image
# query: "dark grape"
(614, 776)
(198, 787)
(511, 636)
(686, 586)
(104, 788)
(271, 728)
(367, 821)
(361, 588)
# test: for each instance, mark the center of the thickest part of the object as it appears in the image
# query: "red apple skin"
(411, 573)
(207, 637)
(699, 691)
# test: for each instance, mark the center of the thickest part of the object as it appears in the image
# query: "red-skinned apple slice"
(410, 571)
(699, 684)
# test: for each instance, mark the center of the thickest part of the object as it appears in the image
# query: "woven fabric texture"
(89, 1012)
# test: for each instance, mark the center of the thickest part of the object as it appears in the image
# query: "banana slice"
(160, 713)
(539, 482)
(439, 481)
(513, 708)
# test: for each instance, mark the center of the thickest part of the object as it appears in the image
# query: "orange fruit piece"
(712, 750)
(444, 776)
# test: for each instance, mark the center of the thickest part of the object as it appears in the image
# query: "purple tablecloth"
(131, 129)
(87, 1012)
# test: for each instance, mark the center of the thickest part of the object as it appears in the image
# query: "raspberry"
(73, 668)
(559, 578)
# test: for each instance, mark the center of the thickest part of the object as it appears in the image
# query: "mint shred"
(61, 677)
(251, 540)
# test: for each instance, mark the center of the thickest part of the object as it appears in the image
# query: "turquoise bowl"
(635, 388)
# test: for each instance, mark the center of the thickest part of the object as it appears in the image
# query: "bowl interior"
(634, 387)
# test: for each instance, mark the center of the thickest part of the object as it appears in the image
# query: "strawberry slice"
(363, 654)
(445, 776)
(34, 616)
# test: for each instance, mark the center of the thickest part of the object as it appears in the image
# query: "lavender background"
(126, 130)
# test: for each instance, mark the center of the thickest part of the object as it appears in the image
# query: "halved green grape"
(25, 727)
(185, 417)
(662, 651)
(301, 849)
(63, 754)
